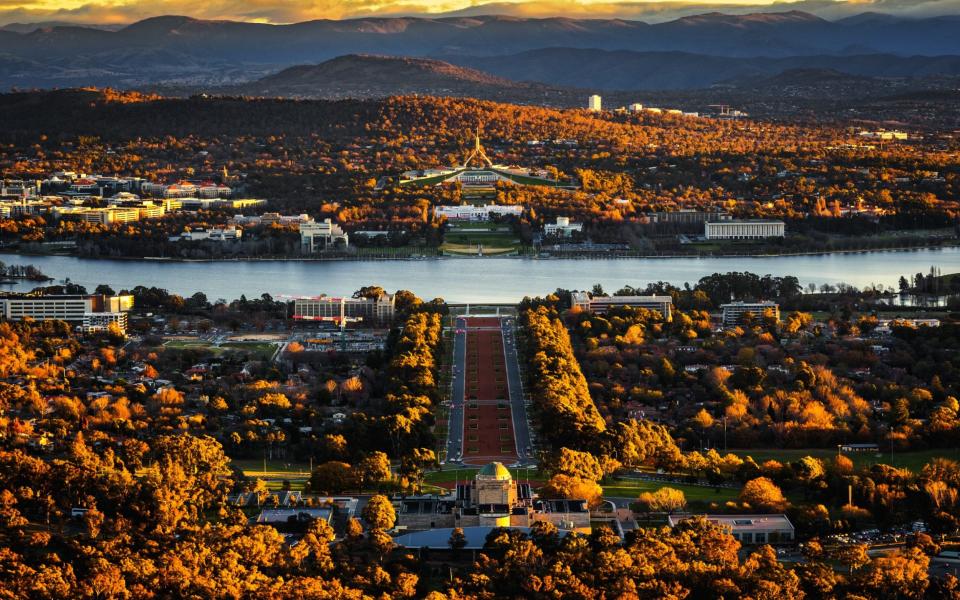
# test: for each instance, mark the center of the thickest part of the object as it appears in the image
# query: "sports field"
(262, 350)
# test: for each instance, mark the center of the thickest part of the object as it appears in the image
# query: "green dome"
(496, 471)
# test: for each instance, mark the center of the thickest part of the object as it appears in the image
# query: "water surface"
(473, 279)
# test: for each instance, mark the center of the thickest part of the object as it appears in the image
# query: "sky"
(289, 11)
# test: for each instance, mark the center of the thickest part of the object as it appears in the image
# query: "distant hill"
(178, 50)
(366, 76)
(628, 70)
(801, 77)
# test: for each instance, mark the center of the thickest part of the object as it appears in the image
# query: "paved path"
(455, 425)
(518, 409)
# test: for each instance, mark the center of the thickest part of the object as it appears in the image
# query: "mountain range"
(629, 70)
(182, 51)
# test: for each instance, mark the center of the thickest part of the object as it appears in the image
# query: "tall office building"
(595, 103)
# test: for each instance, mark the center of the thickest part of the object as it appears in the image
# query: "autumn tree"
(762, 494)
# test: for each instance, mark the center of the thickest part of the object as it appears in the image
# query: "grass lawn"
(914, 460)
(452, 474)
(471, 249)
(462, 238)
(188, 344)
(476, 227)
(275, 468)
(264, 349)
(631, 488)
(277, 472)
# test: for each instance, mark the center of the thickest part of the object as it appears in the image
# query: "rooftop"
(440, 538)
(494, 470)
(740, 522)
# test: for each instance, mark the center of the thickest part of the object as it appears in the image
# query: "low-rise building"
(470, 212)
(688, 216)
(562, 227)
(316, 236)
(491, 499)
(734, 312)
(326, 308)
(271, 218)
(749, 529)
(93, 312)
(214, 234)
(885, 326)
(743, 230)
(601, 304)
(101, 216)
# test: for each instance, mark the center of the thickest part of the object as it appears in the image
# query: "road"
(518, 408)
(455, 426)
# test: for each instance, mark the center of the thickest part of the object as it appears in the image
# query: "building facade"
(86, 312)
(733, 313)
(491, 499)
(214, 234)
(317, 236)
(469, 212)
(743, 230)
(601, 304)
(323, 308)
(595, 103)
(749, 529)
(562, 227)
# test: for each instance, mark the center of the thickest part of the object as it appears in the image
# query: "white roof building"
(469, 212)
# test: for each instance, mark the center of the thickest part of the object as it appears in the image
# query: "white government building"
(315, 236)
(470, 212)
(562, 228)
(743, 230)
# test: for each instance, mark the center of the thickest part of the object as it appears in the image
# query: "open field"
(188, 344)
(262, 349)
(463, 238)
(913, 460)
(631, 488)
(622, 488)
(277, 471)
(451, 475)
(486, 248)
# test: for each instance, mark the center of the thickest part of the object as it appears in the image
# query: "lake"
(500, 280)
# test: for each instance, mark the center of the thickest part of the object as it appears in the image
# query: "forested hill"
(368, 76)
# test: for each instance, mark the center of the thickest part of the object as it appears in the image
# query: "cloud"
(290, 11)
